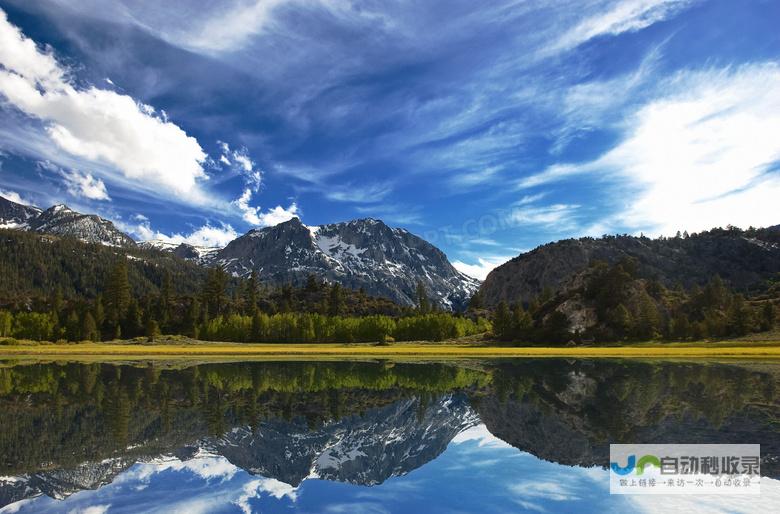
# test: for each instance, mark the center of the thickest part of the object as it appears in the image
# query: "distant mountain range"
(389, 262)
(383, 261)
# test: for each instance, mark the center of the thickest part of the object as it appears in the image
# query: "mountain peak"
(358, 253)
(61, 220)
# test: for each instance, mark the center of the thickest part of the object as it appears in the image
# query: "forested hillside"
(64, 289)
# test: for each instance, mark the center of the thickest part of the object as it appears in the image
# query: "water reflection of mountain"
(72, 427)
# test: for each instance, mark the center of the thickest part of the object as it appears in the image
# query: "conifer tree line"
(227, 308)
(625, 307)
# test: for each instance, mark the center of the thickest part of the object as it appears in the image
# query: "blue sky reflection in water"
(477, 473)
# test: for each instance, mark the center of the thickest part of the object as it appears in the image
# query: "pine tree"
(89, 329)
(423, 302)
(475, 303)
(214, 296)
(152, 329)
(768, 316)
(502, 322)
(250, 294)
(335, 300)
(117, 293)
(647, 318)
(521, 323)
(73, 330)
(620, 321)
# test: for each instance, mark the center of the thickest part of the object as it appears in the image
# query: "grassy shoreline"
(200, 349)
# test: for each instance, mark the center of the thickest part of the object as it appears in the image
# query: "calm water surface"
(493, 436)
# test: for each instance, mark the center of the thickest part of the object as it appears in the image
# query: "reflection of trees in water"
(569, 411)
(65, 413)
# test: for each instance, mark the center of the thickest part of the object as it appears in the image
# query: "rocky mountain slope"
(366, 450)
(386, 262)
(744, 259)
(62, 221)
(59, 220)
(363, 253)
(16, 216)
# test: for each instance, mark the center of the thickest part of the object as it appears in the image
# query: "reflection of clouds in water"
(95, 509)
(477, 473)
(207, 468)
(351, 508)
(481, 434)
(767, 501)
(273, 487)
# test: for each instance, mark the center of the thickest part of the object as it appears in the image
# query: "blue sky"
(477, 473)
(487, 128)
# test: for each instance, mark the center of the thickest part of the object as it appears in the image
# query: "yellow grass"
(429, 350)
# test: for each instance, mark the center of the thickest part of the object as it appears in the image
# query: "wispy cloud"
(617, 18)
(696, 155)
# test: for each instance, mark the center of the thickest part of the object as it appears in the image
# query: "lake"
(518, 435)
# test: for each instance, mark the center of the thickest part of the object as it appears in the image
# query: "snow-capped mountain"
(16, 216)
(203, 255)
(363, 253)
(60, 220)
(366, 450)
(63, 221)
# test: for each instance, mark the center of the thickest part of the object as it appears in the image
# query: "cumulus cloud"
(278, 215)
(85, 185)
(99, 125)
(255, 215)
(270, 486)
(694, 157)
(207, 235)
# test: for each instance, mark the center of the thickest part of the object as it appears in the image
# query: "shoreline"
(427, 350)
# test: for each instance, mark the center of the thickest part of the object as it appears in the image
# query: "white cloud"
(623, 16)
(207, 235)
(93, 509)
(84, 184)
(271, 486)
(255, 216)
(232, 27)
(482, 435)
(767, 501)
(695, 157)
(278, 215)
(559, 214)
(358, 194)
(550, 491)
(13, 196)
(241, 161)
(98, 125)
(483, 266)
